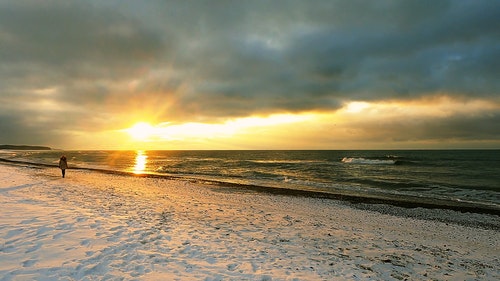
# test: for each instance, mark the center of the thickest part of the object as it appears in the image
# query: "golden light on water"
(141, 160)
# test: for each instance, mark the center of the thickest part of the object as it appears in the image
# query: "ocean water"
(457, 176)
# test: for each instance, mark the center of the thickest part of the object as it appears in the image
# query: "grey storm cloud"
(340, 50)
(220, 59)
(465, 128)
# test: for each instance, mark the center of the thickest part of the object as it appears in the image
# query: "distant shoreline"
(24, 147)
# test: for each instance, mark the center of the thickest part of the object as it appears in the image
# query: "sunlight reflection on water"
(140, 162)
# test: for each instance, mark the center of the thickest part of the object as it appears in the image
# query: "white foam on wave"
(360, 160)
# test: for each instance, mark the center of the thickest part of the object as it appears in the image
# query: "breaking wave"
(365, 161)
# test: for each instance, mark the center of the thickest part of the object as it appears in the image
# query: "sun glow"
(356, 106)
(355, 125)
(230, 128)
(238, 130)
(141, 131)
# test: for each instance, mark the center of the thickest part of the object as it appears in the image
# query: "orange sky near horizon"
(356, 125)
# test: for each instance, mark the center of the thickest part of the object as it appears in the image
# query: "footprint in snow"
(29, 263)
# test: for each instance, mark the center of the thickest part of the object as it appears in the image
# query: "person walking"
(63, 165)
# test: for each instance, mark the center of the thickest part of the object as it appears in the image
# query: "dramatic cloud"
(68, 69)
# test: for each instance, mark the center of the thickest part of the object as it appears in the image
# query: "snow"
(94, 226)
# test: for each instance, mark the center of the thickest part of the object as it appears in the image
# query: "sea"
(439, 177)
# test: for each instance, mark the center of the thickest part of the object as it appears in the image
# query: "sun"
(140, 131)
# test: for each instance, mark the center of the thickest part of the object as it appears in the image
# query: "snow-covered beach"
(96, 226)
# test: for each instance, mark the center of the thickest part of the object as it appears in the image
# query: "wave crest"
(360, 160)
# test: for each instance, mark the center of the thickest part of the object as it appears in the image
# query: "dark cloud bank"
(216, 59)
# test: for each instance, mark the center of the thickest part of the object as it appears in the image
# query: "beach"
(98, 226)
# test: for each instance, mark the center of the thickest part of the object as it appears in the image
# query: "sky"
(280, 74)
